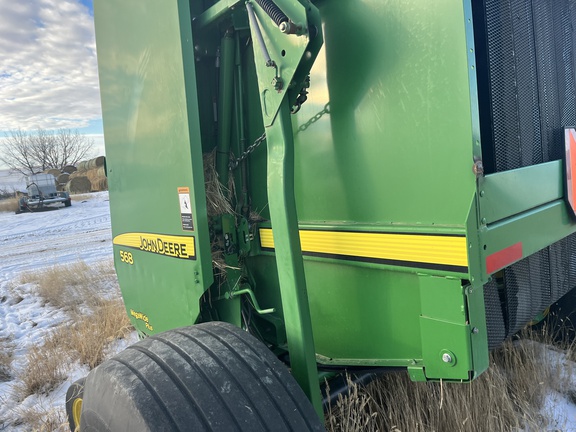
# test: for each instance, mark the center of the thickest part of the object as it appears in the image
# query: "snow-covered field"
(36, 241)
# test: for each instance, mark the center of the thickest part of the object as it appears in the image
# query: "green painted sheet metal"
(546, 224)
(150, 113)
(509, 193)
(396, 144)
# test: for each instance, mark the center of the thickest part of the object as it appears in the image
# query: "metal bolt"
(481, 193)
(483, 221)
(475, 330)
(446, 358)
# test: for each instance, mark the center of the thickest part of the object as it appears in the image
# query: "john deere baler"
(353, 183)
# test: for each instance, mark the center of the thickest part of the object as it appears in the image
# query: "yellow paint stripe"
(173, 246)
(434, 249)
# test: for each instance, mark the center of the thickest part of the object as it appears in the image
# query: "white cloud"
(48, 69)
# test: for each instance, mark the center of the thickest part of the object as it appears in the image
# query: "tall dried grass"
(97, 314)
(8, 205)
(71, 286)
(45, 368)
(509, 396)
(91, 334)
(6, 355)
(42, 419)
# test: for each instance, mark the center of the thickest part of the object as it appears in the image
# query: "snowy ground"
(32, 241)
(40, 240)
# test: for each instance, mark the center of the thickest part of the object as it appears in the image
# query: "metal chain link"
(314, 119)
(234, 163)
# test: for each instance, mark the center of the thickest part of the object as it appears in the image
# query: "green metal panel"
(512, 192)
(150, 113)
(396, 145)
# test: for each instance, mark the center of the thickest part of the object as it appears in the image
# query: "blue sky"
(48, 68)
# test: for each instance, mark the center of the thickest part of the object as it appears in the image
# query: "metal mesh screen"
(527, 93)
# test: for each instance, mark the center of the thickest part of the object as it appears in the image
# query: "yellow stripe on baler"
(437, 250)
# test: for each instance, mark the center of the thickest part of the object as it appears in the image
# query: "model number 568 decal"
(126, 257)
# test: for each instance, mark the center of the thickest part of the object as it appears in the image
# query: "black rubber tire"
(208, 377)
(75, 392)
(68, 203)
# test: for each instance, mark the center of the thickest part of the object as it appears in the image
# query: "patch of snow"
(32, 242)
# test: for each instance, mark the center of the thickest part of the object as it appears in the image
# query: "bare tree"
(28, 153)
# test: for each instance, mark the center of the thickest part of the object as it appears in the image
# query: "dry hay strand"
(79, 184)
(217, 202)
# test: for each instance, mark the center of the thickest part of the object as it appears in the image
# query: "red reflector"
(570, 147)
(503, 258)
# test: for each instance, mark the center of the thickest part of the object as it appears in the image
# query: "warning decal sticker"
(185, 209)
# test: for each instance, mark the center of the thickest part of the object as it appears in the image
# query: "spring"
(273, 11)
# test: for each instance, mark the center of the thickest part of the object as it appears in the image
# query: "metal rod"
(254, 24)
(225, 99)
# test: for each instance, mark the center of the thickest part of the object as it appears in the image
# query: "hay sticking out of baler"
(217, 202)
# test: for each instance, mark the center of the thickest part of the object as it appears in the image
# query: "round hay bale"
(101, 184)
(91, 164)
(69, 169)
(79, 184)
(63, 178)
(95, 174)
(55, 172)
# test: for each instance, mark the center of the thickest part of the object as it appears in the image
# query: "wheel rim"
(76, 411)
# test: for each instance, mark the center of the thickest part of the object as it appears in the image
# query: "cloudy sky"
(48, 68)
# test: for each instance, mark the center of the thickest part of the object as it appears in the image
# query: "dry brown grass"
(70, 286)
(91, 334)
(507, 397)
(6, 355)
(41, 419)
(97, 317)
(45, 368)
(8, 205)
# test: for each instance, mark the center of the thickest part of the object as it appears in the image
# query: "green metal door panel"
(153, 148)
(364, 316)
(397, 143)
(359, 316)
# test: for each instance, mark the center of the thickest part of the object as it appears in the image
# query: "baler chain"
(234, 163)
(314, 119)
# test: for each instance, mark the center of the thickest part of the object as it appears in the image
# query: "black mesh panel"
(527, 94)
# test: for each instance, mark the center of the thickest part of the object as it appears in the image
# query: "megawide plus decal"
(182, 247)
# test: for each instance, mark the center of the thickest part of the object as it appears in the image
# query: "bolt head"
(446, 358)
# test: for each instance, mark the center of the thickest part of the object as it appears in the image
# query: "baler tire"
(207, 377)
(74, 401)
(68, 203)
